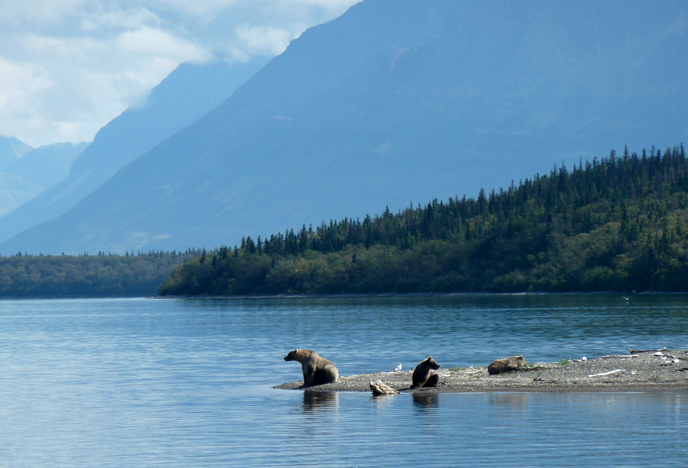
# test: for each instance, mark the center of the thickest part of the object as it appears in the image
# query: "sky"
(68, 67)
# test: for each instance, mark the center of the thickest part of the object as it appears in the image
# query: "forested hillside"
(87, 276)
(619, 223)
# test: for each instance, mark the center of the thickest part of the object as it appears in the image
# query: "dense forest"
(88, 275)
(619, 223)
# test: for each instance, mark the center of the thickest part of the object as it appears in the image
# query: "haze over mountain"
(48, 164)
(397, 101)
(36, 171)
(11, 150)
(185, 95)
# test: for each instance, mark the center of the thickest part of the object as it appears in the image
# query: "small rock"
(659, 353)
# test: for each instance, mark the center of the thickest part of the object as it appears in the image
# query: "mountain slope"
(186, 94)
(48, 164)
(37, 170)
(397, 101)
(15, 190)
(11, 149)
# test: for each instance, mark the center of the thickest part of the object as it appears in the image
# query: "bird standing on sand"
(398, 368)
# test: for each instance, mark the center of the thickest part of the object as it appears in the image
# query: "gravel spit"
(647, 370)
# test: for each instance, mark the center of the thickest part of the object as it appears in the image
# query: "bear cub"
(424, 374)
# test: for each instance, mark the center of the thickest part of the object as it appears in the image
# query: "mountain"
(36, 171)
(393, 102)
(48, 164)
(186, 94)
(15, 190)
(11, 150)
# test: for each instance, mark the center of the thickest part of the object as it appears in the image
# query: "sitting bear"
(424, 374)
(506, 365)
(316, 369)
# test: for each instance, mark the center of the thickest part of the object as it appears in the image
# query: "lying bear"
(424, 374)
(316, 369)
(506, 365)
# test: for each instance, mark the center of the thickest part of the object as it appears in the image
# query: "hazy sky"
(67, 67)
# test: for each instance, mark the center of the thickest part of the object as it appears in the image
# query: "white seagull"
(398, 368)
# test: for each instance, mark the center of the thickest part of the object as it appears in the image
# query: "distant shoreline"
(648, 370)
(367, 295)
(429, 294)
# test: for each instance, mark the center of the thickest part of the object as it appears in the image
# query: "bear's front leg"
(308, 374)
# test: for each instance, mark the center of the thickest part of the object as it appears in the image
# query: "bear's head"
(431, 363)
(292, 355)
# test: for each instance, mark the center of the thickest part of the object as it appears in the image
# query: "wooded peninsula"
(619, 223)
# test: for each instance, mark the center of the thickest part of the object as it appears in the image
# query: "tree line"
(615, 223)
(100, 275)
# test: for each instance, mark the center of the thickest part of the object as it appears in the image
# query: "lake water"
(187, 383)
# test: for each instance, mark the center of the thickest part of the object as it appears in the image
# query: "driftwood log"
(640, 351)
(379, 388)
(615, 371)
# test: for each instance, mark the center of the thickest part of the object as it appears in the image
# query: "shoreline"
(638, 371)
(429, 294)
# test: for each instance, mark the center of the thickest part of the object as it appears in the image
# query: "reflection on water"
(425, 400)
(182, 383)
(512, 400)
(314, 401)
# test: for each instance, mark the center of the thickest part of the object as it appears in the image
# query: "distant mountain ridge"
(47, 164)
(397, 101)
(36, 171)
(11, 150)
(186, 94)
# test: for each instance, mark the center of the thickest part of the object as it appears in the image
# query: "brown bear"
(424, 374)
(506, 365)
(316, 369)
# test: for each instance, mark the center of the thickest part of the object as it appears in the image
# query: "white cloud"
(14, 11)
(84, 82)
(206, 8)
(54, 49)
(156, 42)
(20, 100)
(119, 19)
(67, 67)
(19, 81)
(260, 40)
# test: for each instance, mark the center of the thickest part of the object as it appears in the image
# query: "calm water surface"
(187, 383)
